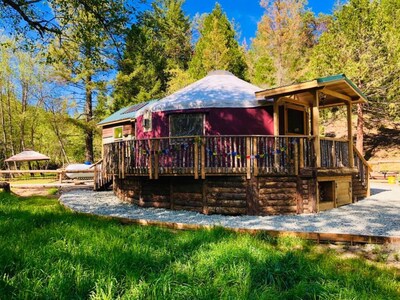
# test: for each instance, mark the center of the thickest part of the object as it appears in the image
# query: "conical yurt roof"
(218, 89)
(27, 155)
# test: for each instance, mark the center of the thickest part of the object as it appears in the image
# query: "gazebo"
(27, 156)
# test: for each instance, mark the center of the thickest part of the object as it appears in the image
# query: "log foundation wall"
(228, 195)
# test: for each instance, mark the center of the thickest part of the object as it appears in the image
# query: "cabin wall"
(219, 121)
(228, 195)
(128, 131)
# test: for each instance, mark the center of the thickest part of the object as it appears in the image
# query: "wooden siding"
(128, 128)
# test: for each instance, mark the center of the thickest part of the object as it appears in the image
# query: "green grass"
(47, 252)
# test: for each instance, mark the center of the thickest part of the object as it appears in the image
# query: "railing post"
(156, 158)
(350, 135)
(196, 160)
(122, 170)
(96, 178)
(276, 156)
(203, 158)
(296, 159)
(248, 157)
(255, 153)
(315, 129)
(150, 167)
(333, 154)
(301, 155)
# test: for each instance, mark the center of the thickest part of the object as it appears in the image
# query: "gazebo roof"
(219, 89)
(27, 155)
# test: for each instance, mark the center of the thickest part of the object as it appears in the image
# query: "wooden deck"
(224, 155)
(209, 155)
(234, 174)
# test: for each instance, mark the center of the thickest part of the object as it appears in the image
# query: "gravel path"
(379, 215)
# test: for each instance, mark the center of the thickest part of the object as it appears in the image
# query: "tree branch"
(37, 25)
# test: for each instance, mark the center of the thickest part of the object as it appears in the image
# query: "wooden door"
(343, 192)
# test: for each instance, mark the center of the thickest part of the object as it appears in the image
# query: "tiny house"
(224, 146)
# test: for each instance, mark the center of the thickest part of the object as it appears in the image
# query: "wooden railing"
(334, 153)
(363, 168)
(102, 179)
(209, 155)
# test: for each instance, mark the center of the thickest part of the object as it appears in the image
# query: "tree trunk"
(360, 129)
(89, 156)
(55, 125)
(24, 109)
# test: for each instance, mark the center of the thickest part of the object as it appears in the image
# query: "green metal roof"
(339, 77)
(127, 113)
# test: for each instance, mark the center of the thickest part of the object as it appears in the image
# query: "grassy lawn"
(47, 252)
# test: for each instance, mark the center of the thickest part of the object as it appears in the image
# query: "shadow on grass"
(47, 251)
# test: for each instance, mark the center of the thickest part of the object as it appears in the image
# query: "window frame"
(299, 108)
(121, 135)
(203, 121)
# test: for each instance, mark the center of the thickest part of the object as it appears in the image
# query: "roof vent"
(219, 72)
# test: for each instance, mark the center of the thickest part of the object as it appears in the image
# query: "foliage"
(48, 251)
(280, 50)
(47, 18)
(363, 43)
(217, 48)
(157, 46)
(81, 57)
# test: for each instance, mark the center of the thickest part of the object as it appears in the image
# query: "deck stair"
(364, 170)
(102, 179)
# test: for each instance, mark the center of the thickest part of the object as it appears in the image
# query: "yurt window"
(186, 124)
(147, 121)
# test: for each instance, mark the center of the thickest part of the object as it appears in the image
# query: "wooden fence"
(59, 174)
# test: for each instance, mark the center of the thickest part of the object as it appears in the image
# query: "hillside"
(381, 137)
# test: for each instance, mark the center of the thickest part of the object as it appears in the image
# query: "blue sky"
(247, 13)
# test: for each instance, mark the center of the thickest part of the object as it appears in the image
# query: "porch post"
(350, 135)
(276, 117)
(276, 132)
(315, 129)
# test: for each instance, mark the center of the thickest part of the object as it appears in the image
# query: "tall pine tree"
(157, 47)
(217, 48)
